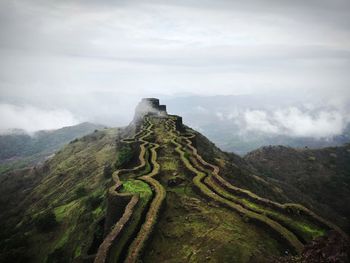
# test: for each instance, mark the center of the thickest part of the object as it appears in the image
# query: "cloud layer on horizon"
(96, 59)
(32, 119)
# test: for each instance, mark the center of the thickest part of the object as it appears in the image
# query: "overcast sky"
(66, 61)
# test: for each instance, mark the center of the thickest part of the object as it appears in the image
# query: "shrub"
(125, 154)
(46, 222)
(58, 256)
(74, 141)
(93, 201)
(311, 158)
(107, 171)
(80, 191)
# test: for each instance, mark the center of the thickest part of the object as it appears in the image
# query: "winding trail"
(263, 211)
(153, 212)
(114, 191)
(293, 224)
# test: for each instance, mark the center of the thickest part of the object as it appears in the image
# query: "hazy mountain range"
(243, 123)
(20, 149)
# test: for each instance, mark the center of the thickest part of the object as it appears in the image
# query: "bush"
(124, 156)
(74, 141)
(311, 158)
(93, 202)
(46, 221)
(80, 191)
(107, 171)
(58, 256)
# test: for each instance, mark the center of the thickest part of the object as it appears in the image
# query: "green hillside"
(318, 178)
(156, 191)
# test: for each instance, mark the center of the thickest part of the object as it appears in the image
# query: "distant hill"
(318, 178)
(19, 149)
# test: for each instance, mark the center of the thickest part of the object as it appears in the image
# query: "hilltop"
(156, 191)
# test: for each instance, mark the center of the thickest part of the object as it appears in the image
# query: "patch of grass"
(63, 211)
(169, 165)
(77, 252)
(98, 212)
(312, 231)
(137, 187)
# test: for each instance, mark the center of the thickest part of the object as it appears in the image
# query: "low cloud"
(31, 118)
(295, 122)
(257, 120)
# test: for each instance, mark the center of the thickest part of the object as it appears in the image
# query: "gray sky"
(62, 62)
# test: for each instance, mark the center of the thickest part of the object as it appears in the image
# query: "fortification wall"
(115, 209)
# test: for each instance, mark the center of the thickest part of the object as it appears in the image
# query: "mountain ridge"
(156, 190)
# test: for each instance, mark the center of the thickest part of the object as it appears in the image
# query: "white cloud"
(31, 119)
(220, 115)
(200, 109)
(257, 120)
(296, 123)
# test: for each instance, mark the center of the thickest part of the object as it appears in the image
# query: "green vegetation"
(107, 171)
(144, 192)
(57, 205)
(157, 198)
(124, 156)
(80, 191)
(220, 195)
(93, 202)
(64, 210)
(137, 246)
(137, 187)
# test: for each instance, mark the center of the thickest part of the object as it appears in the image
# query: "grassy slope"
(191, 230)
(192, 226)
(316, 178)
(73, 188)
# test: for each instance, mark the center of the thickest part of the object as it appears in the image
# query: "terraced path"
(145, 193)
